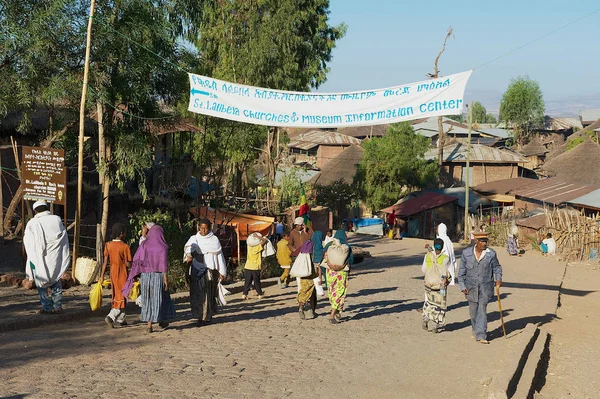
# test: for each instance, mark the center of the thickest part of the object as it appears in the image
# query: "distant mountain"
(568, 106)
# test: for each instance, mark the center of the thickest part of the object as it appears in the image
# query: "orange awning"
(243, 223)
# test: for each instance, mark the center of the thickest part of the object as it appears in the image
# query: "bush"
(177, 232)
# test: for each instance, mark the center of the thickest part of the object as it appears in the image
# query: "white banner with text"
(260, 106)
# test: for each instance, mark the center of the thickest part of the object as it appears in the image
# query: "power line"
(539, 38)
(139, 44)
(125, 112)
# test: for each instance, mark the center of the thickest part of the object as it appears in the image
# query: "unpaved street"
(261, 349)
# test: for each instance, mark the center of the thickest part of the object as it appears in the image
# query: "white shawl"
(47, 246)
(448, 250)
(210, 247)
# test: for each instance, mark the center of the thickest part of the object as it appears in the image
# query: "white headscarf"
(448, 249)
(210, 246)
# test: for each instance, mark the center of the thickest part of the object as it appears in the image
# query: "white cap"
(299, 220)
(39, 203)
(149, 225)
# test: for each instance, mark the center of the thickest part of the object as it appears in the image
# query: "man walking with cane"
(479, 269)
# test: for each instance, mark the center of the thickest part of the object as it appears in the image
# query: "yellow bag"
(96, 297)
(135, 291)
(391, 233)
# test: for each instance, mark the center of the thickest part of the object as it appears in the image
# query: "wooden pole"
(86, 70)
(23, 253)
(1, 203)
(467, 174)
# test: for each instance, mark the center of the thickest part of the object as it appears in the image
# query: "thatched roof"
(342, 167)
(577, 165)
(534, 147)
(579, 134)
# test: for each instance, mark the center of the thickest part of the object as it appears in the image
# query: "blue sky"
(392, 42)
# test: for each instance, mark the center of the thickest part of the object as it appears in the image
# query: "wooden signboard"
(44, 174)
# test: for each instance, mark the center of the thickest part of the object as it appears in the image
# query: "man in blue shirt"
(478, 272)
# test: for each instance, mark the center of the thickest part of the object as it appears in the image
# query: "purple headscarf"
(151, 257)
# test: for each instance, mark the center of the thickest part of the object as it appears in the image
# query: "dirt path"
(574, 348)
(261, 348)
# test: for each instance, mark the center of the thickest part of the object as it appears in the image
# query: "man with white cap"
(478, 273)
(299, 234)
(47, 247)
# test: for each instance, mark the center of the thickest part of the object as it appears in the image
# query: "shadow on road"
(530, 286)
(378, 308)
(519, 324)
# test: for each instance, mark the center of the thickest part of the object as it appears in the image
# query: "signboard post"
(44, 175)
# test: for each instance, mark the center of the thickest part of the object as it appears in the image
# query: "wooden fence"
(577, 236)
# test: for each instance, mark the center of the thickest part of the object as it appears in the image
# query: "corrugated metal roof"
(496, 132)
(555, 191)
(313, 138)
(419, 204)
(562, 123)
(589, 115)
(429, 127)
(534, 222)
(590, 200)
(479, 153)
(504, 186)
(365, 131)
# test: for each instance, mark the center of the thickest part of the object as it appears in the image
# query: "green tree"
(279, 44)
(480, 114)
(338, 196)
(459, 118)
(394, 165)
(522, 106)
(40, 56)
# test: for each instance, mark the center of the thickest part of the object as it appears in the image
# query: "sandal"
(333, 321)
(45, 312)
(149, 330)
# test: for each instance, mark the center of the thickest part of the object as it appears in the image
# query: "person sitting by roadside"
(548, 245)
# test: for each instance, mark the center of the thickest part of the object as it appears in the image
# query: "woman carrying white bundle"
(338, 259)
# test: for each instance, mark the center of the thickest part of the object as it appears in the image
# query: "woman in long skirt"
(151, 264)
(207, 267)
(338, 259)
(306, 290)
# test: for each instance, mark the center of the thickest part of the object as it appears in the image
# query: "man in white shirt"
(548, 245)
(47, 247)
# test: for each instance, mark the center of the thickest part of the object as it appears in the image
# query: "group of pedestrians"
(206, 268)
(478, 273)
(329, 262)
(329, 259)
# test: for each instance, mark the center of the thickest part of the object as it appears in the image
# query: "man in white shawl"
(47, 247)
(448, 250)
(207, 268)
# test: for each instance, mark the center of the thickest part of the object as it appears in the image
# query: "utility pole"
(86, 70)
(468, 174)
(435, 75)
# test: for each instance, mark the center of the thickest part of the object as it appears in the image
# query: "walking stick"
(500, 307)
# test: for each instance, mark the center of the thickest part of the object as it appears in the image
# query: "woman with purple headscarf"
(151, 264)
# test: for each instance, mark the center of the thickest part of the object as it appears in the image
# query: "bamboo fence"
(577, 235)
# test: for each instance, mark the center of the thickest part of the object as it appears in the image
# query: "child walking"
(118, 255)
(255, 243)
(284, 258)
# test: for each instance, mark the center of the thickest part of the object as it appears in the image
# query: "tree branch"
(435, 64)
